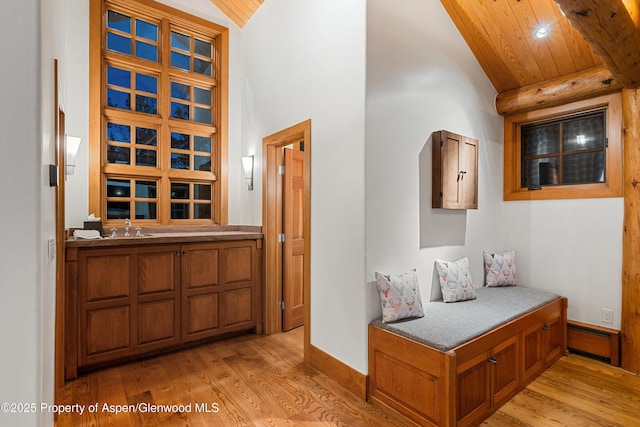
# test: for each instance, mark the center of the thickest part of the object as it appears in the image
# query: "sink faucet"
(127, 225)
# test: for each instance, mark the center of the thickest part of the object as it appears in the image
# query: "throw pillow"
(500, 269)
(455, 280)
(399, 296)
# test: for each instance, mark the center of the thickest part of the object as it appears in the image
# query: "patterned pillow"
(500, 269)
(455, 280)
(399, 296)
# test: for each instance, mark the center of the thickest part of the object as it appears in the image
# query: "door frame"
(271, 225)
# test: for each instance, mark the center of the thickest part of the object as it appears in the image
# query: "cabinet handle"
(178, 252)
(184, 252)
(545, 328)
(492, 360)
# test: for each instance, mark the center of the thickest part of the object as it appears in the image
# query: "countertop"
(168, 235)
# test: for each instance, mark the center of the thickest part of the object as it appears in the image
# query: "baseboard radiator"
(594, 341)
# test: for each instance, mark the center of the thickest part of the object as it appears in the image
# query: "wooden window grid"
(611, 186)
(132, 139)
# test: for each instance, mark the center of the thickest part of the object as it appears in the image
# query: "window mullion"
(165, 102)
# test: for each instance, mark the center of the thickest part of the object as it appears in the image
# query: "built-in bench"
(461, 361)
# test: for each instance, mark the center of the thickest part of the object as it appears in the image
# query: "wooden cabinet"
(137, 300)
(218, 289)
(455, 171)
(486, 381)
(464, 385)
(128, 301)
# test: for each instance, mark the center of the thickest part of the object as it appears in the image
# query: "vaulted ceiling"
(501, 36)
(593, 46)
(239, 11)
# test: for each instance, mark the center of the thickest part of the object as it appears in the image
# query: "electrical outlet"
(607, 315)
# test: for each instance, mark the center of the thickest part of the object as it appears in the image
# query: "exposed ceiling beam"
(562, 90)
(609, 27)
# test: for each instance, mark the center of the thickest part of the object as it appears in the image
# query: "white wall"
(19, 211)
(306, 59)
(75, 102)
(422, 77)
(27, 213)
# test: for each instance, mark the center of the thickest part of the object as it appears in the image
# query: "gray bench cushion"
(447, 325)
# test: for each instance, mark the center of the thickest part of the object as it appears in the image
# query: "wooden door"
(293, 247)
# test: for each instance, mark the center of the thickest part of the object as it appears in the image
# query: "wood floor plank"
(262, 381)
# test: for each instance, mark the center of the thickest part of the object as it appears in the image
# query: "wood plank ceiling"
(593, 47)
(239, 11)
(500, 33)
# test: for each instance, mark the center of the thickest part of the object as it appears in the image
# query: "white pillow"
(500, 269)
(455, 280)
(399, 296)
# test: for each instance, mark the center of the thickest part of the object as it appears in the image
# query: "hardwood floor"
(262, 381)
(575, 391)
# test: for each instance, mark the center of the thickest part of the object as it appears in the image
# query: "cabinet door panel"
(156, 322)
(201, 313)
(202, 267)
(450, 171)
(532, 362)
(156, 272)
(238, 306)
(553, 339)
(200, 291)
(473, 390)
(238, 263)
(107, 329)
(106, 276)
(505, 370)
(468, 180)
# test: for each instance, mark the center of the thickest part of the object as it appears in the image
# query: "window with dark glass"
(566, 151)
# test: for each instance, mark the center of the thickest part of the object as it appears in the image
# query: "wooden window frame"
(612, 187)
(99, 169)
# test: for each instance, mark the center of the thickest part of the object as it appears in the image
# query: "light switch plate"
(51, 249)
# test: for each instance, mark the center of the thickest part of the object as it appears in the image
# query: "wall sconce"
(247, 171)
(73, 145)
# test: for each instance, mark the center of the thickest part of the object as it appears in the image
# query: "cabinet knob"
(184, 252)
(545, 327)
(178, 252)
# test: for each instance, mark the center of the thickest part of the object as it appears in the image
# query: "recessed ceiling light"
(541, 32)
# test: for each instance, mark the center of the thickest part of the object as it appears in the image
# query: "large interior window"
(158, 108)
(572, 151)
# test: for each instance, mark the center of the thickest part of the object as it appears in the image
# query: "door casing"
(272, 221)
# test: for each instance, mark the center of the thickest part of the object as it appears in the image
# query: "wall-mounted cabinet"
(455, 171)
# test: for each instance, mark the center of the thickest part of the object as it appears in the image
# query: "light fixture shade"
(247, 171)
(72, 147)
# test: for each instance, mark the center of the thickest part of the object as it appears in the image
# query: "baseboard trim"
(592, 340)
(343, 374)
